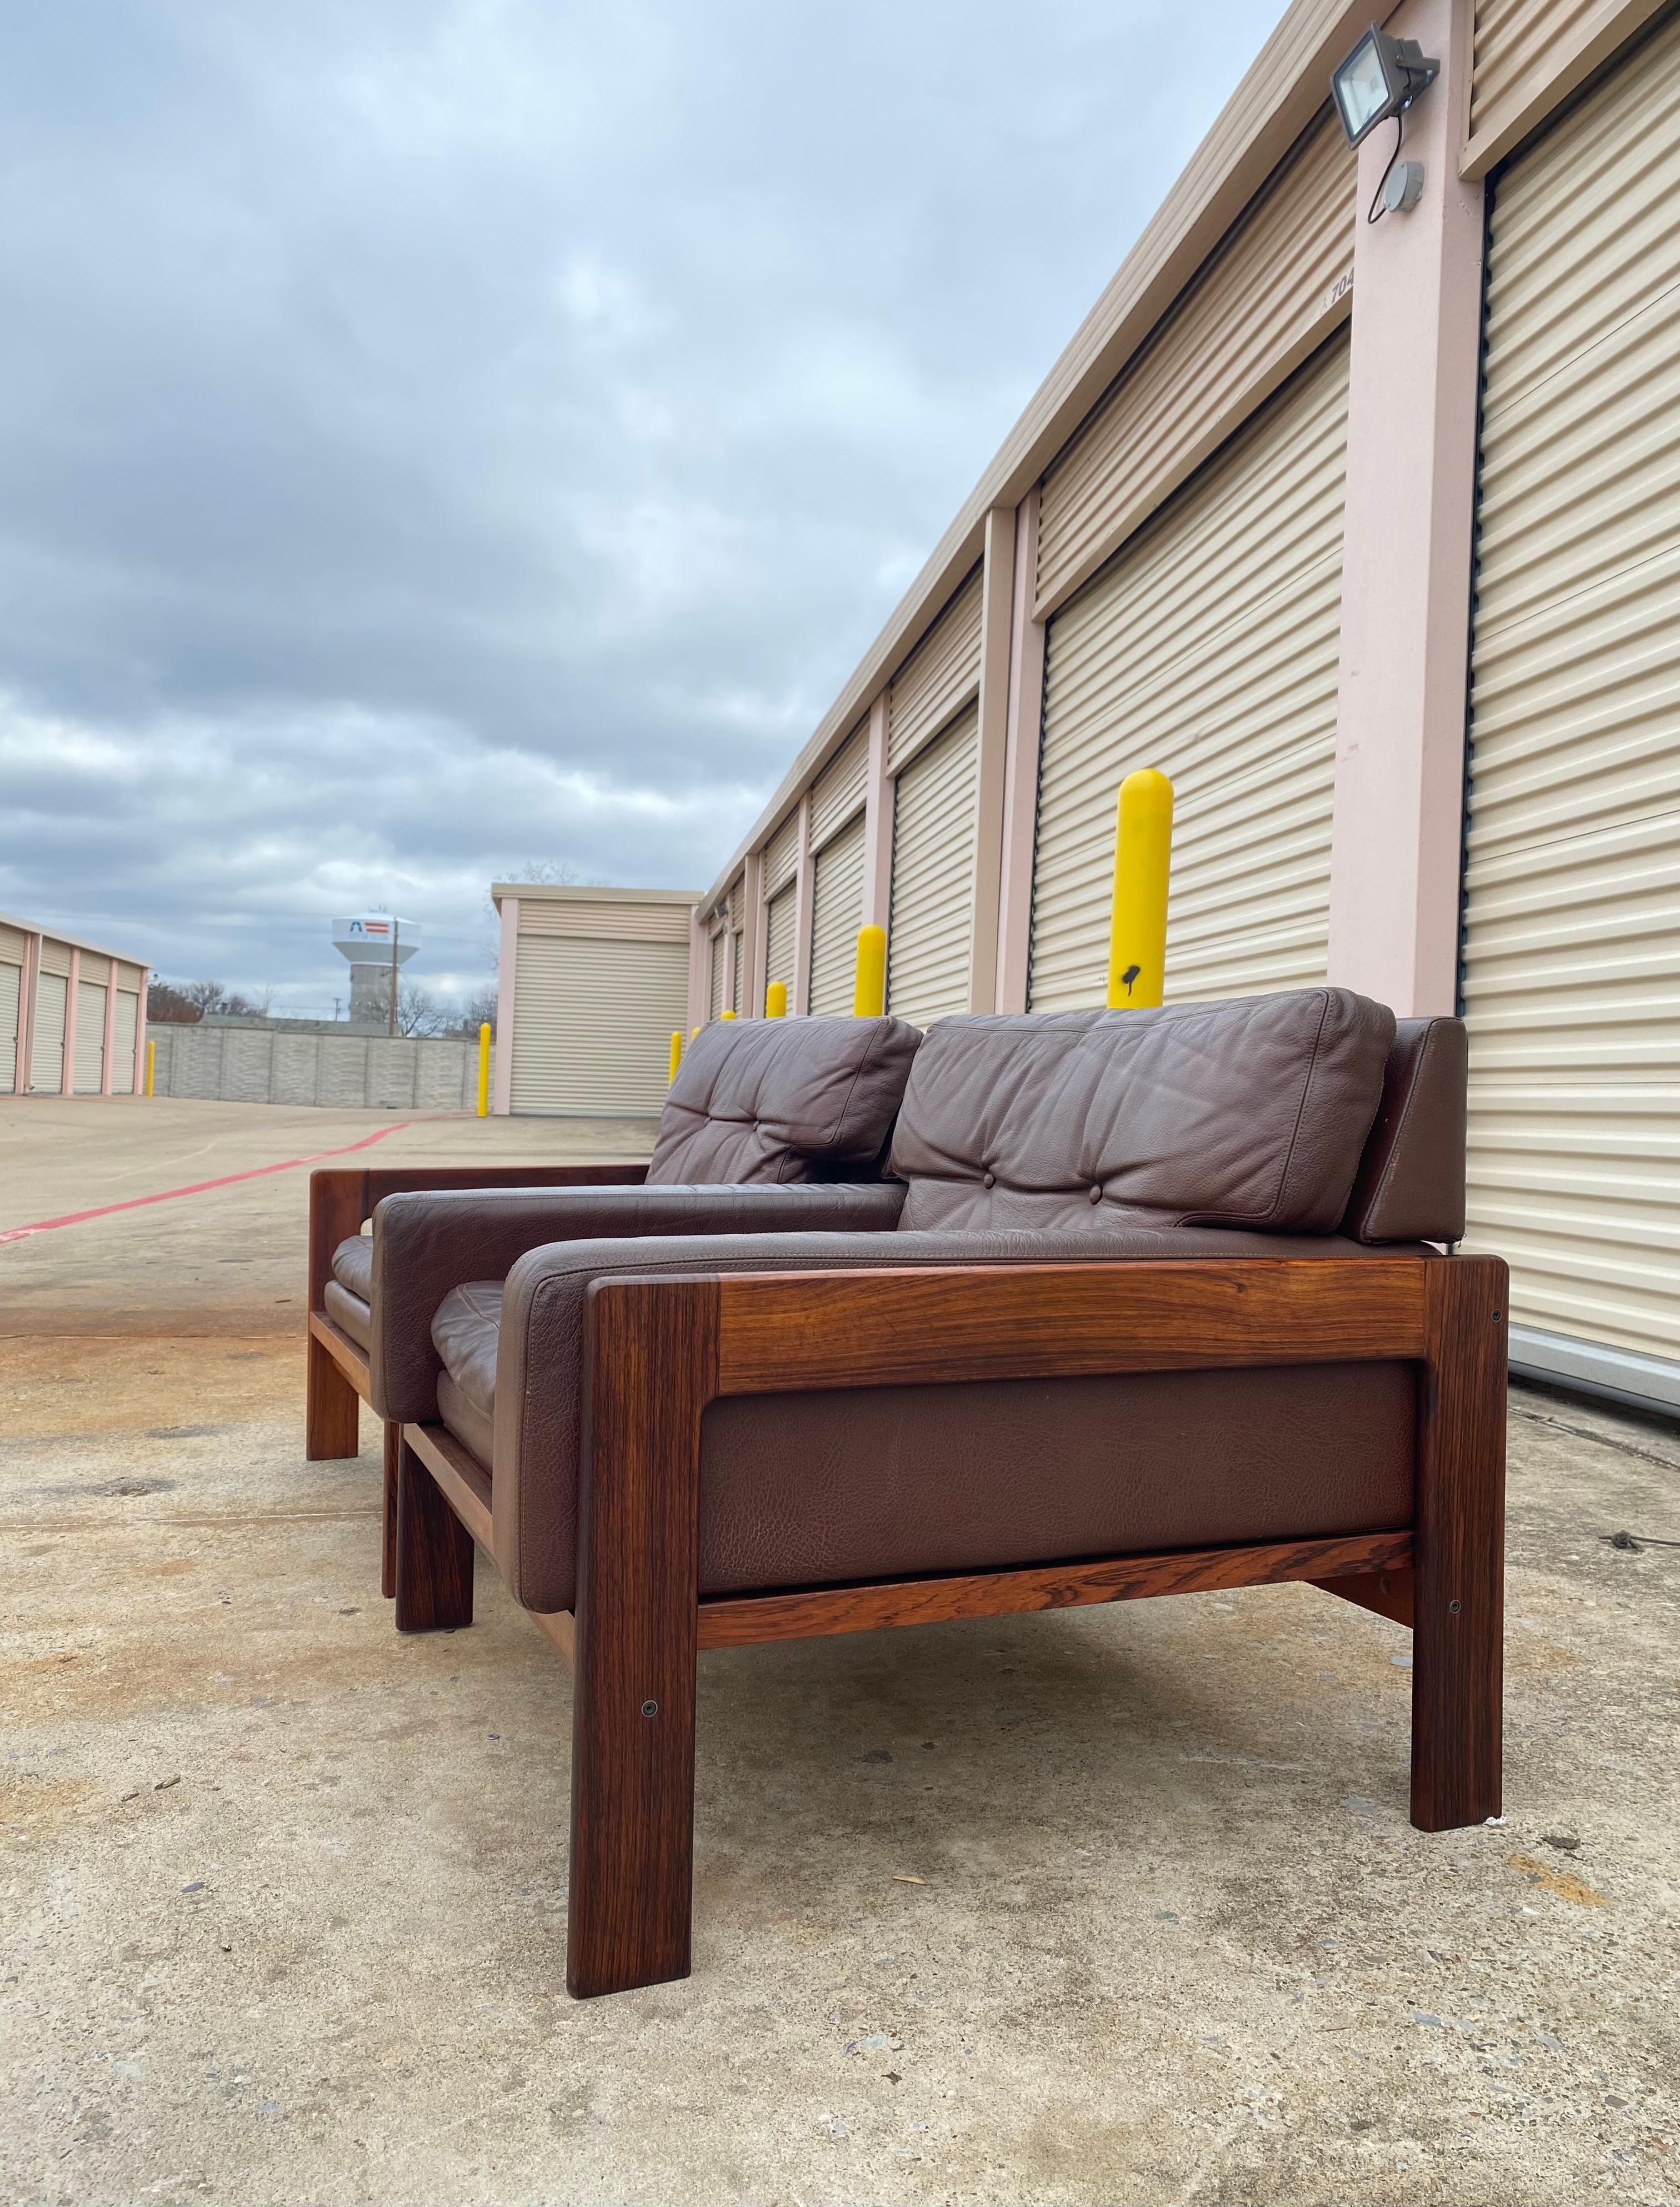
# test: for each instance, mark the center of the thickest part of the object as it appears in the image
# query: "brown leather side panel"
(801, 1490)
(1410, 1186)
(426, 1244)
(539, 1354)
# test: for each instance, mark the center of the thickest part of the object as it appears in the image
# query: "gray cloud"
(436, 435)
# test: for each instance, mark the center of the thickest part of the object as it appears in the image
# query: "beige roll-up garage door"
(1207, 649)
(738, 997)
(46, 1048)
(720, 951)
(90, 1066)
(124, 1041)
(11, 997)
(929, 935)
(837, 914)
(781, 919)
(1571, 973)
(592, 1025)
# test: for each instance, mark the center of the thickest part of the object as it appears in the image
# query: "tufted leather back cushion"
(1252, 1113)
(782, 1100)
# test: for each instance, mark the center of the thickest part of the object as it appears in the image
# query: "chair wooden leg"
(652, 1361)
(332, 1415)
(1458, 1589)
(435, 1552)
(393, 1446)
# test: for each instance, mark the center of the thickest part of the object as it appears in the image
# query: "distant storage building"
(72, 1015)
(594, 982)
(1367, 533)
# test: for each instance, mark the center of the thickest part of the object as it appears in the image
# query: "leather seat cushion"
(353, 1265)
(465, 1333)
(782, 1100)
(349, 1314)
(1248, 1113)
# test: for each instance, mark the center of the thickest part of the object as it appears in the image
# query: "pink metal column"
(1394, 849)
(1020, 766)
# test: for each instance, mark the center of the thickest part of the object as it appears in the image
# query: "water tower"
(375, 942)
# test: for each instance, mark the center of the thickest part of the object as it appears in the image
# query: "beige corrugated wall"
(593, 1021)
(1208, 650)
(46, 1046)
(125, 1036)
(838, 791)
(1572, 927)
(720, 951)
(90, 1065)
(1246, 322)
(938, 679)
(932, 923)
(837, 914)
(738, 1003)
(11, 981)
(781, 938)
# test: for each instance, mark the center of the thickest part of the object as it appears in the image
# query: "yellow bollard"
(484, 1070)
(725, 1015)
(676, 1053)
(775, 1001)
(869, 998)
(150, 1065)
(1143, 858)
(692, 1032)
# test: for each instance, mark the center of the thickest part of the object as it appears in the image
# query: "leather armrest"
(539, 1422)
(426, 1243)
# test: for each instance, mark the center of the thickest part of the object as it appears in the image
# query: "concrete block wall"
(255, 1065)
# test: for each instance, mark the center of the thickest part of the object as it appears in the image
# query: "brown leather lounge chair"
(1157, 1314)
(807, 1100)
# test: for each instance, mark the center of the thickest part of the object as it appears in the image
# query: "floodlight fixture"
(1381, 77)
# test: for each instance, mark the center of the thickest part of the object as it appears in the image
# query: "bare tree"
(478, 1009)
(418, 1012)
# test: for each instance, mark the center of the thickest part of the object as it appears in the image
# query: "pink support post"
(1395, 841)
(1020, 768)
(501, 1101)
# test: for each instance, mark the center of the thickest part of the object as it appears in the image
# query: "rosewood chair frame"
(341, 1201)
(659, 1350)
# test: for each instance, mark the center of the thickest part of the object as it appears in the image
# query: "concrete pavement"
(1117, 1904)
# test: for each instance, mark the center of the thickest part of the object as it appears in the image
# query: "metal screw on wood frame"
(1455, 1606)
(650, 1708)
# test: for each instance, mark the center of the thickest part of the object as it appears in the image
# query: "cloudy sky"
(440, 434)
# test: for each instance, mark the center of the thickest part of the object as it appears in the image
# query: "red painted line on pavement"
(198, 1187)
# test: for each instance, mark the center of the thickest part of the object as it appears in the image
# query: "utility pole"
(396, 936)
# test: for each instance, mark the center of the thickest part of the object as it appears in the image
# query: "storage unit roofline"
(574, 892)
(1284, 88)
(74, 941)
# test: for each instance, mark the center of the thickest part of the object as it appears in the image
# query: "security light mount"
(1381, 77)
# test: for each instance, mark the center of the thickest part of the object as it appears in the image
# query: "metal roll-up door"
(929, 935)
(125, 1041)
(90, 1066)
(1571, 951)
(46, 1048)
(1207, 649)
(781, 926)
(782, 855)
(11, 998)
(737, 1000)
(838, 791)
(940, 677)
(837, 914)
(720, 951)
(592, 1026)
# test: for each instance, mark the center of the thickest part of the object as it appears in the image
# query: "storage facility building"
(594, 982)
(1367, 533)
(72, 1015)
